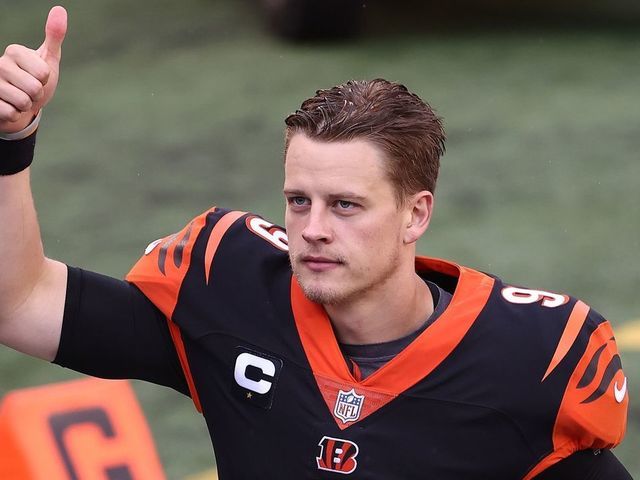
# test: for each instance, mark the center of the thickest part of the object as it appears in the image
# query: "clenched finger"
(15, 97)
(8, 113)
(22, 80)
(29, 61)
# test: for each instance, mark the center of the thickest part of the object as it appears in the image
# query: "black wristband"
(16, 155)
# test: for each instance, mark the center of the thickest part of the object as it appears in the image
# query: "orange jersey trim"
(176, 336)
(412, 364)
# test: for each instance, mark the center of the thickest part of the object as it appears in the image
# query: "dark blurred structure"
(313, 19)
(339, 19)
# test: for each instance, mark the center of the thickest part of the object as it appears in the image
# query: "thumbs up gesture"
(28, 78)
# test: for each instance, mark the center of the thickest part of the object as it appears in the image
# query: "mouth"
(319, 263)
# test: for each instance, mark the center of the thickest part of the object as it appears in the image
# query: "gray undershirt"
(371, 357)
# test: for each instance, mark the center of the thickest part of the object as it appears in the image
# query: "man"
(331, 349)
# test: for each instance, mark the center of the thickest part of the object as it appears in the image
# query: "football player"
(327, 348)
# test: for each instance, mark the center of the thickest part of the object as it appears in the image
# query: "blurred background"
(165, 108)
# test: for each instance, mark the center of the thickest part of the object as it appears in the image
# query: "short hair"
(385, 113)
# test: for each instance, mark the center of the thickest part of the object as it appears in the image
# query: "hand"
(28, 78)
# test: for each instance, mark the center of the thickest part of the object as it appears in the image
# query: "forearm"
(32, 287)
(21, 251)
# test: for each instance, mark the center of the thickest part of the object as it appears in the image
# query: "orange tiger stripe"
(571, 330)
(217, 233)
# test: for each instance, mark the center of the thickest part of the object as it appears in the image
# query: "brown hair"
(386, 114)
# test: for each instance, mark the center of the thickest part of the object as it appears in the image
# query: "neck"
(392, 311)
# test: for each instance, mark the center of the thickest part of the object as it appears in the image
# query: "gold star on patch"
(249, 395)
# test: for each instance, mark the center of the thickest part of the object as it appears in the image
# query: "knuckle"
(33, 90)
(14, 50)
(8, 113)
(24, 103)
(40, 70)
(43, 75)
(38, 96)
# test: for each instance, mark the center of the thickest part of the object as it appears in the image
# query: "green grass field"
(165, 108)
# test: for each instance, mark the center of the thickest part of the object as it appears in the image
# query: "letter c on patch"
(266, 366)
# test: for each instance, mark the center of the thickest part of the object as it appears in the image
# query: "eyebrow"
(349, 195)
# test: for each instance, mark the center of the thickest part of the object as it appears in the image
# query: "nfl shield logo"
(348, 406)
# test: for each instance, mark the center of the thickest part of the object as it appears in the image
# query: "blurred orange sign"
(87, 429)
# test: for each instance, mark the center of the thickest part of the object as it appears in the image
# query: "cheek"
(294, 235)
(383, 234)
(374, 242)
(290, 225)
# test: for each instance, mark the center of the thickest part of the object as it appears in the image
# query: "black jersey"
(505, 383)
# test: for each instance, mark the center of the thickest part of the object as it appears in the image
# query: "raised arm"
(32, 287)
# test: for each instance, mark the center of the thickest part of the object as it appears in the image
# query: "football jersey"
(505, 383)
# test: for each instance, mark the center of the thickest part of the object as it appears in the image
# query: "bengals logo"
(337, 455)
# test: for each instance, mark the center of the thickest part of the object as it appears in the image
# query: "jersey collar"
(413, 363)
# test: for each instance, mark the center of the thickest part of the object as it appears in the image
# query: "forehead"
(352, 165)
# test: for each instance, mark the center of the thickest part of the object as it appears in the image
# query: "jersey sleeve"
(593, 413)
(587, 465)
(593, 410)
(110, 330)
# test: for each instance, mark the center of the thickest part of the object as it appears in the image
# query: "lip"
(319, 263)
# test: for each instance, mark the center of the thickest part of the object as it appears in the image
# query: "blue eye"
(345, 204)
(298, 201)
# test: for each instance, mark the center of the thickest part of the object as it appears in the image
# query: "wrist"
(25, 132)
(16, 154)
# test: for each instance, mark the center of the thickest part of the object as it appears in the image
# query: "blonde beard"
(333, 296)
(323, 296)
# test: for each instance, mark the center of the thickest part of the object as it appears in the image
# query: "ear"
(419, 208)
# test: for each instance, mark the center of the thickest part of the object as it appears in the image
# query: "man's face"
(344, 226)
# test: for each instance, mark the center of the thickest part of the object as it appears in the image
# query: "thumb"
(55, 30)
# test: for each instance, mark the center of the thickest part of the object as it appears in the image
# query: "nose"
(317, 228)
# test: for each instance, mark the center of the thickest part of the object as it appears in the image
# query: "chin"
(320, 293)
